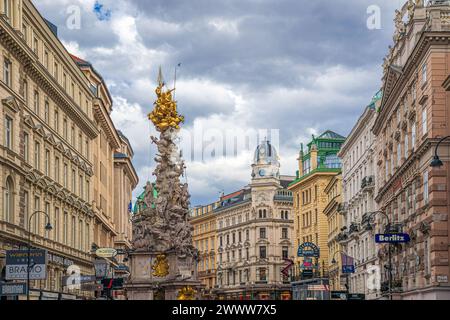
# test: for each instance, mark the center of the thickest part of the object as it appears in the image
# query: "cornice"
(16, 45)
(425, 41)
(106, 123)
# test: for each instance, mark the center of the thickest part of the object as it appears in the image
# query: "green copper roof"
(140, 203)
(331, 135)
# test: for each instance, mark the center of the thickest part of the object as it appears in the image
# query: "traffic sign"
(13, 289)
(78, 279)
(392, 238)
(17, 262)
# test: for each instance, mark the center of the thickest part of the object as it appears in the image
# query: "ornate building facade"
(254, 234)
(317, 167)
(204, 221)
(358, 174)
(412, 118)
(333, 192)
(48, 136)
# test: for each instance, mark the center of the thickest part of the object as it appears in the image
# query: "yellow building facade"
(317, 168)
(203, 220)
(335, 223)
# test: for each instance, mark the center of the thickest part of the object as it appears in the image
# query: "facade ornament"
(161, 266)
(399, 25)
(187, 293)
(411, 8)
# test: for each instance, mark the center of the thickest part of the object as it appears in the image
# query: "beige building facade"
(359, 184)
(412, 118)
(254, 234)
(48, 134)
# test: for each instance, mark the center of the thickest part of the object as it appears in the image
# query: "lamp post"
(48, 227)
(436, 162)
(333, 261)
(370, 228)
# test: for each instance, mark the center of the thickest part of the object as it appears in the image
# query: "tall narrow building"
(358, 175)
(317, 167)
(414, 115)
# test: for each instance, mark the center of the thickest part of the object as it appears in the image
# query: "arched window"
(8, 201)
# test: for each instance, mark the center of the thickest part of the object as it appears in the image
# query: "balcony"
(342, 236)
(354, 227)
(284, 195)
(342, 208)
(368, 183)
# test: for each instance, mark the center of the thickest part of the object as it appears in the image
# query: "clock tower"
(266, 164)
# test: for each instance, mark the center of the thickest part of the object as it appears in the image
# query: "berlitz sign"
(392, 238)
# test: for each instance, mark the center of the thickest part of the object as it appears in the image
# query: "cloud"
(298, 66)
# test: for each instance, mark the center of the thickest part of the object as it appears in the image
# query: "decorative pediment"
(78, 204)
(52, 189)
(42, 183)
(392, 76)
(50, 139)
(60, 147)
(29, 121)
(70, 200)
(83, 165)
(39, 129)
(89, 172)
(68, 154)
(32, 177)
(75, 159)
(11, 103)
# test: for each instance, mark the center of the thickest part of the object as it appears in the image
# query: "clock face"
(262, 151)
(262, 172)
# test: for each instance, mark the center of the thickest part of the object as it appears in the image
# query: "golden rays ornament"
(165, 114)
(187, 293)
(161, 266)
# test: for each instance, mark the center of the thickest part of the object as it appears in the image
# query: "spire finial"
(160, 77)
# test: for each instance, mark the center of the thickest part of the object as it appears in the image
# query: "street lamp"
(48, 227)
(436, 162)
(388, 227)
(333, 261)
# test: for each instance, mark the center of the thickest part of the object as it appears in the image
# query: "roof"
(331, 135)
(124, 137)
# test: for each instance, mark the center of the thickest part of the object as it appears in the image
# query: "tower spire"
(160, 77)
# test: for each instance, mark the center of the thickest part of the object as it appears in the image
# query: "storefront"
(313, 289)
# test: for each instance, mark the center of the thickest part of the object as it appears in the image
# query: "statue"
(161, 266)
(163, 224)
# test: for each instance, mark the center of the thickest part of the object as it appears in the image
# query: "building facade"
(333, 192)
(254, 234)
(317, 167)
(412, 118)
(203, 219)
(48, 133)
(358, 174)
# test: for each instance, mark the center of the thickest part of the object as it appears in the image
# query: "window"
(35, 45)
(8, 201)
(65, 81)
(406, 144)
(413, 135)
(262, 233)
(74, 234)
(47, 112)
(56, 71)
(46, 59)
(26, 205)
(57, 168)
(285, 253)
(47, 162)
(332, 162)
(284, 233)
(80, 237)
(262, 274)
(399, 153)
(81, 187)
(7, 72)
(65, 228)
(262, 252)
(247, 235)
(306, 166)
(88, 197)
(36, 102)
(426, 195)
(65, 129)
(80, 142)
(36, 218)
(8, 132)
(86, 148)
(56, 121)
(74, 181)
(424, 73)
(37, 156)
(7, 8)
(56, 225)
(424, 121)
(72, 136)
(65, 175)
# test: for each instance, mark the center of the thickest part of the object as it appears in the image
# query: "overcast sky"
(299, 66)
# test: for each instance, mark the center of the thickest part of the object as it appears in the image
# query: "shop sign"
(106, 253)
(392, 238)
(17, 264)
(308, 249)
(13, 289)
